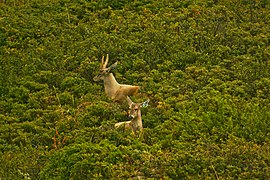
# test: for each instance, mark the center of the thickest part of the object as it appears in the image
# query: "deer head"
(118, 92)
(103, 70)
(135, 108)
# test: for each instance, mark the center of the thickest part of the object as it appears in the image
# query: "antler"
(106, 62)
(103, 65)
(102, 61)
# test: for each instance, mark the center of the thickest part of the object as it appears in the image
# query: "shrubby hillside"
(204, 65)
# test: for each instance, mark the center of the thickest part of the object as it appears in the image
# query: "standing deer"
(135, 124)
(118, 92)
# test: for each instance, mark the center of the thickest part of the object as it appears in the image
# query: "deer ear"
(129, 101)
(113, 66)
(145, 103)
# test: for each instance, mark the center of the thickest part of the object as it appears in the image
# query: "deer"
(117, 92)
(135, 123)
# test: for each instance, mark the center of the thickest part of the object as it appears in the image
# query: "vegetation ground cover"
(204, 65)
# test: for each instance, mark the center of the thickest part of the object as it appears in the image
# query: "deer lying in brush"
(118, 92)
(135, 124)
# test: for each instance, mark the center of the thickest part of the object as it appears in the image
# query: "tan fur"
(118, 92)
(136, 119)
(126, 125)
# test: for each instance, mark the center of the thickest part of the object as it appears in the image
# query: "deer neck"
(138, 120)
(111, 85)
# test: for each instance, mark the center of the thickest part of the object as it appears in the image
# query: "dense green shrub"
(203, 65)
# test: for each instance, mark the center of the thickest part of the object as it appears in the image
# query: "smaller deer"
(135, 124)
(118, 92)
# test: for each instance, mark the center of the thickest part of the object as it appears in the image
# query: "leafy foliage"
(204, 65)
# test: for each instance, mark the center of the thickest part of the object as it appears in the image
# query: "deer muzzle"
(96, 78)
(131, 117)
